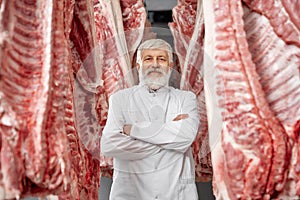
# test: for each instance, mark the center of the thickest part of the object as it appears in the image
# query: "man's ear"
(171, 65)
(138, 66)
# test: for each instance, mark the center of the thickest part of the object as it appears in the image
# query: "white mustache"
(150, 70)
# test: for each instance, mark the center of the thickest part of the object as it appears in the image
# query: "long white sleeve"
(175, 135)
(117, 145)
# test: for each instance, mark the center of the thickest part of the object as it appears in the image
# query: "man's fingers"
(180, 117)
(127, 129)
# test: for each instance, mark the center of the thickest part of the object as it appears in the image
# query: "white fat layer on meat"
(217, 155)
(236, 84)
(42, 95)
(245, 107)
(8, 121)
(214, 116)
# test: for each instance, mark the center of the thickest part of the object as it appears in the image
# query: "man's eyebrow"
(159, 56)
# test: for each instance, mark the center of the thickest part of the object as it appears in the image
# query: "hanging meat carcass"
(134, 20)
(34, 156)
(252, 71)
(119, 26)
(85, 172)
(279, 70)
(188, 33)
(182, 27)
(40, 149)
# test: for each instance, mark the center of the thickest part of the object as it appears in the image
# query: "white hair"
(154, 44)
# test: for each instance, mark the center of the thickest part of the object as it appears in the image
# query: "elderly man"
(149, 131)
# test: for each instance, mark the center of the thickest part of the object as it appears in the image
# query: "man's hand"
(127, 129)
(180, 117)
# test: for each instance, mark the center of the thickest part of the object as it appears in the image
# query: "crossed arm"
(135, 141)
(127, 127)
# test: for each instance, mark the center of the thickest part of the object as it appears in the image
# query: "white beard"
(154, 83)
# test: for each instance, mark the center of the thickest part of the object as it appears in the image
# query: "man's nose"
(155, 63)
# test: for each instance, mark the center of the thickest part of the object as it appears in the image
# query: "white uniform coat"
(155, 161)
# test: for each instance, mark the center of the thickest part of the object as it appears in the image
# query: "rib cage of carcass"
(40, 150)
(188, 32)
(252, 71)
(120, 29)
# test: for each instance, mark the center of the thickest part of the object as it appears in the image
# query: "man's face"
(154, 59)
(155, 67)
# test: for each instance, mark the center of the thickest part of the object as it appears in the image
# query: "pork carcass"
(182, 27)
(85, 69)
(41, 153)
(119, 26)
(247, 94)
(188, 33)
(134, 19)
(276, 53)
(85, 172)
(33, 90)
